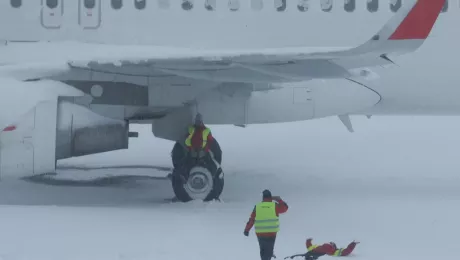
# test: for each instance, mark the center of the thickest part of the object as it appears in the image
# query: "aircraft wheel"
(201, 184)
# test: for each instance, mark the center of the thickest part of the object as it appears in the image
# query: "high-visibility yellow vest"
(312, 247)
(191, 131)
(338, 252)
(266, 219)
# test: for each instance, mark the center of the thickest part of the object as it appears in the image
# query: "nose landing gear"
(197, 179)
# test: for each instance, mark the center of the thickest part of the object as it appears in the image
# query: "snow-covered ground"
(393, 185)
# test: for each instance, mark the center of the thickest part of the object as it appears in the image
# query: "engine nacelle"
(57, 130)
(82, 132)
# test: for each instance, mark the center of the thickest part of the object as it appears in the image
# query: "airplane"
(75, 74)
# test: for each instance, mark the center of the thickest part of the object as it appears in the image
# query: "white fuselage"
(424, 82)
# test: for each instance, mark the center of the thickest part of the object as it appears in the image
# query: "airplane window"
(302, 5)
(372, 5)
(234, 5)
(16, 3)
(187, 4)
(395, 5)
(52, 3)
(326, 5)
(89, 4)
(210, 5)
(257, 5)
(140, 4)
(163, 4)
(117, 4)
(350, 5)
(446, 6)
(280, 5)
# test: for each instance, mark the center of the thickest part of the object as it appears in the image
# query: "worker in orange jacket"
(265, 218)
(199, 136)
(316, 251)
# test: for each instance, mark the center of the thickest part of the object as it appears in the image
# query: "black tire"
(181, 194)
(178, 156)
(218, 186)
(215, 148)
(178, 187)
(178, 153)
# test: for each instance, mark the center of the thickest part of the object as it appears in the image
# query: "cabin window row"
(234, 5)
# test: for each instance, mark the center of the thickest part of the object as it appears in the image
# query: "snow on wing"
(405, 32)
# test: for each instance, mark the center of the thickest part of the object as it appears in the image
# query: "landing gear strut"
(197, 178)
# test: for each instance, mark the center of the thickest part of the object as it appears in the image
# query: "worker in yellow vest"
(265, 219)
(198, 138)
(316, 251)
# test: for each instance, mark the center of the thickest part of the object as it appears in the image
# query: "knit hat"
(266, 194)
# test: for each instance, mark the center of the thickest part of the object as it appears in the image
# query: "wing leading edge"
(405, 32)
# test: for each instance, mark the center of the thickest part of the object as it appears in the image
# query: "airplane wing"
(17, 97)
(405, 32)
(28, 71)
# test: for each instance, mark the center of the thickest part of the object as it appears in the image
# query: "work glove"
(246, 233)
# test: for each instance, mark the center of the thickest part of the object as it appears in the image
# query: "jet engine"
(56, 129)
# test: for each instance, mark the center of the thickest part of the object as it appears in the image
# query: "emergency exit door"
(89, 14)
(51, 13)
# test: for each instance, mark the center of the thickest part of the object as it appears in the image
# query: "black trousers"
(266, 244)
(313, 255)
